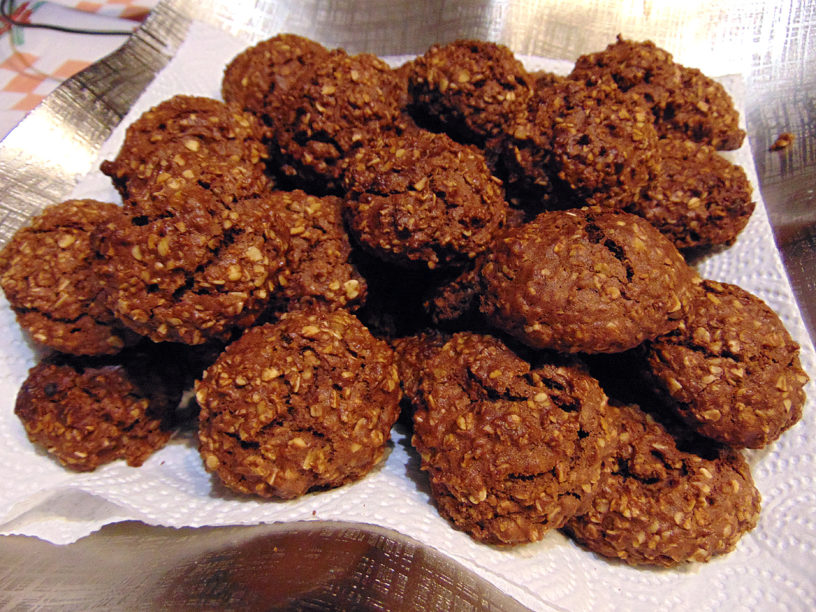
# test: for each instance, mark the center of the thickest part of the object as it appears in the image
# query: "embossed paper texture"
(771, 568)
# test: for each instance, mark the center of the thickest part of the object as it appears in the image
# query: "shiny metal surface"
(301, 566)
(772, 43)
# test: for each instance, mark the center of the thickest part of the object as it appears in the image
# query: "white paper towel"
(771, 568)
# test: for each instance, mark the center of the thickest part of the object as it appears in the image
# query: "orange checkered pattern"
(34, 62)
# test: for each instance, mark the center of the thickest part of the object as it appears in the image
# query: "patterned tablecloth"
(34, 61)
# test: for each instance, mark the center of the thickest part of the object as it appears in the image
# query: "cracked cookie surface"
(660, 504)
(303, 404)
(196, 271)
(423, 199)
(585, 281)
(62, 304)
(731, 369)
(511, 449)
(90, 411)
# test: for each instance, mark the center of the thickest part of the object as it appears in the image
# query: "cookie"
(698, 198)
(511, 449)
(194, 273)
(319, 268)
(472, 89)
(190, 140)
(422, 199)
(335, 108)
(585, 281)
(48, 273)
(686, 104)
(89, 411)
(731, 369)
(304, 404)
(662, 505)
(412, 354)
(256, 78)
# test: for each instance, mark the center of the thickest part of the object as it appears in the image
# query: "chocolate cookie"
(686, 104)
(582, 143)
(302, 404)
(196, 271)
(48, 272)
(422, 199)
(318, 262)
(698, 198)
(190, 140)
(472, 88)
(337, 106)
(91, 411)
(511, 449)
(256, 78)
(658, 504)
(585, 281)
(731, 369)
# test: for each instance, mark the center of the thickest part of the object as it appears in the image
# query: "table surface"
(771, 43)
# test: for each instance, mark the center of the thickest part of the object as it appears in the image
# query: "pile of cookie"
(499, 258)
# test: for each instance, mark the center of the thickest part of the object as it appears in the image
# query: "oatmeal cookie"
(731, 369)
(88, 411)
(585, 281)
(195, 272)
(305, 403)
(686, 103)
(658, 504)
(48, 272)
(698, 198)
(511, 449)
(472, 88)
(318, 263)
(338, 106)
(256, 78)
(422, 199)
(190, 140)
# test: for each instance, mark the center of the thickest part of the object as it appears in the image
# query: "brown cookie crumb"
(512, 449)
(48, 272)
(88, 412)
(731, 369)
(782, 142)
(302, 404)
(660, 505)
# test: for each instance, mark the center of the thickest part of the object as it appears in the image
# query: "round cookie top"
(302, 404)
(602, 142)
(422, 199)
(658, 504)
(698, 198)
(91, 411)
(48, 272)
(319, 269)
(190, 140)
(197, 271)
(262, 72)
(731, 369)
(686, 104)
(474, 89)
(585, 281)
(337, 106)
(511, 450)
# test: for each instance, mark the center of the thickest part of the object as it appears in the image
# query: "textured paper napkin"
(772, 566)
